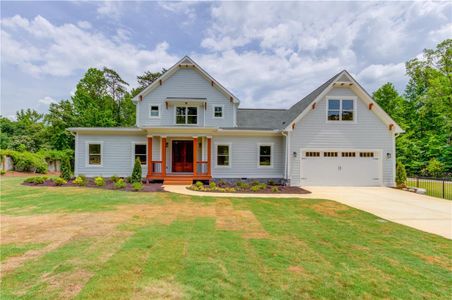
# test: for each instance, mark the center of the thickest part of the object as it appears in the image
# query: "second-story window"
(218, 111)
(154, 111)
(186, 115)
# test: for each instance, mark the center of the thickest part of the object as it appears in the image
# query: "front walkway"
(422, 212)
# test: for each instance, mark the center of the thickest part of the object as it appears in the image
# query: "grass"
(434, 188)
(164, 245)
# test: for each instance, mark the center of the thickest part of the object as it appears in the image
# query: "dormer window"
(154, 111)
(186, 115)
(218, 111)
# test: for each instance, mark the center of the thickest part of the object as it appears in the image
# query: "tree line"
(103, 99)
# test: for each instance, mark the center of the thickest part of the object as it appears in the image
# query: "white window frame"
(222, 111)
(216, 155)
(159, 110)
(133, 152)
(186, 115)
(259, 155)
(87, 164)
(341, 98)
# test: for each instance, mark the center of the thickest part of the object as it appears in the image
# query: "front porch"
(179, 159)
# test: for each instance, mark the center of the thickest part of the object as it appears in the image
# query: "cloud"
(84, 24)
(186, 8)
(67, 49)
(110, 9)
(382, 73)
(47, 100)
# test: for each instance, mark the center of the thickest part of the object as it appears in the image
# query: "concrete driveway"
(422, 212)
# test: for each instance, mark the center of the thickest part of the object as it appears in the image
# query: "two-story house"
(189, 127)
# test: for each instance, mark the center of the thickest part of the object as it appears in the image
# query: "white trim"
(186, 116)
(222, 111)
(133, 152)
(159, 110)
(341, 98)
(259, 155)
(87, 143)
(105, 129)
(76, 155)
(216, 155)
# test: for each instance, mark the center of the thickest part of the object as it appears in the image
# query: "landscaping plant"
(400, 174)
(136, 173)
(2, 172)
(79, 181)
(66, 172)
(59, 181)
(137, 186)
(114, 178)
(99, 181)
(120, 184)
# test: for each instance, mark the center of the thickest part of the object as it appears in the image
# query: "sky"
(269, 54)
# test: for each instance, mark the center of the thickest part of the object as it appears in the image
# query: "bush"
(136, 173)
(263, 186)
(221, 183)
(114, 178)
(99, 181)
(128, 179)
(59, 181)
(400, 174)
(26, 161)
(66, 172)
(242, 185)
(255, 183)
(275, 189)
(271, 182)
(2, 172)
(199, 184)
(435, 168)
(137, 186)
(212, 185)
(36, 179)
(82, 176)
(230, 190)
(120, 184)
(255, 188)
(79, 181)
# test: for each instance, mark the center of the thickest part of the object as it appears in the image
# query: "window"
(366, 154)
(140, 153)
(154, 111)
(348, 154)
(265, 155)
(330, 154)
(218, 111)
(186, 115)
(312, 154)
(341, 110)
(223, 155)
(95, 154)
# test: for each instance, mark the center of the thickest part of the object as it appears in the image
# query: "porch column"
(209, 155)
(195, 155)
(149, 156)
(163, 140)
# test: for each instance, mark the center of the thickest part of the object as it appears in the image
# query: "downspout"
(286, 160)
(75, 153)
(395, 158)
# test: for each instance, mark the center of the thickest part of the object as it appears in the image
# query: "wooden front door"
(182, 160)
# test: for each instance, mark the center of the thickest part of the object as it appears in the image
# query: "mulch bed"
(282, 190)
(109, 185)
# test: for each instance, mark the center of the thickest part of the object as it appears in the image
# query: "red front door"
(182, 156)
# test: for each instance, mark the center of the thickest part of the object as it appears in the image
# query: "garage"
(330, 167)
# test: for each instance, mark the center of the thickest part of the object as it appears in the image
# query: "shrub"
(212, 185)
(59, 181)
(194, 188)
(263, 186)
(120, 184)
(137, 186)
(114, 178)
(99, 181)
(199, 184)
(255, 188)
(435, 168)
(255, 183)
(83, 177)
(79, 181)
(128, 179)
(400, 174)
(242, 185)
(230, 190)
(2, 172)
(36, 179)
(275, 189)
(26, 161)
(221, 183)
(136, 173)
(66, 172)
(271, 182)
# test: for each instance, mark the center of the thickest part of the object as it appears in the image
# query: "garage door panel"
(331, 168)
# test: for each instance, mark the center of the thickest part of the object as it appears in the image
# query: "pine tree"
(66, 172)
(136, 173)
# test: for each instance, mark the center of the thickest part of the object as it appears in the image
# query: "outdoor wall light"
(294, 154)
(388, 155)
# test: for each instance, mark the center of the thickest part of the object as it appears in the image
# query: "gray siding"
(369, 132)
(117, 155)
(186, 83)
(244, 157)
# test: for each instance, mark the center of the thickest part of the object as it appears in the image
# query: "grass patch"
(10, 250)
(433, 188)
(185, 247)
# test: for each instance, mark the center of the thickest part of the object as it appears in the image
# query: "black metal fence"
(436, 187)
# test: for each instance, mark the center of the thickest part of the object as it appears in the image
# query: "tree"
(390, 101)
(60, 117)
(400, 174)
(146, 79)
(116, 89)
(66, 172)
(136, 172)
(435, 168)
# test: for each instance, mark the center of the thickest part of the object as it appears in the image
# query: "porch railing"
(156, 167)
(436, 187)
(202, 167)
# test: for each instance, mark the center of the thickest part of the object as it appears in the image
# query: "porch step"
(178, 181)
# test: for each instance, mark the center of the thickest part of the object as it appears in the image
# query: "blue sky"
(269, 54)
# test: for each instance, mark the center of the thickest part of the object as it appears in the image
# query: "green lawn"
(98, 244)
(433, 188)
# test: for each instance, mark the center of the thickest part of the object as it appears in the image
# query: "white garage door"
(329, 167)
